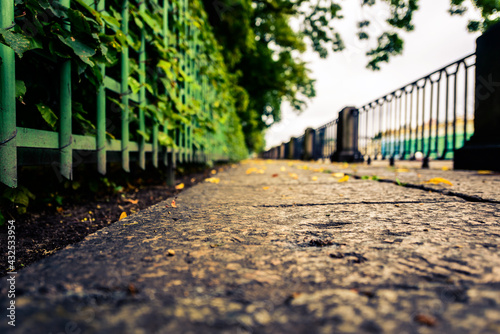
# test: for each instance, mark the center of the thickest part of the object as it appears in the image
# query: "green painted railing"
(13, 137)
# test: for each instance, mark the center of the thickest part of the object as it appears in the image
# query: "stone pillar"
(347, 137)
(482, 151)
(291, 148)
(308, 144)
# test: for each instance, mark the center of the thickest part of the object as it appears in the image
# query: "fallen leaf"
(213, 180)
(438, 180)
(275, 175)
(283, 169)
(193, 180)
(265, 188)
(132, 289)
(344, 179)
(59, 209)
(251, 170)
(315, 178)
(293, 176)
(133, 201)
(213, 172)
(445, 168)
(134, 223)
(170, 252)
(173, 204)
(402, 170)
(179, 186)
(123, 215)
(338, 174)
(484, 172)
(425, 319)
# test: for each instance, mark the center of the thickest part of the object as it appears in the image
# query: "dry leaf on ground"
(438, 180)
(344, 179)
(179, 186)
(123, 215)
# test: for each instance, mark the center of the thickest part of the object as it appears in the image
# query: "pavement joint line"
(353, 203)
(469, 198)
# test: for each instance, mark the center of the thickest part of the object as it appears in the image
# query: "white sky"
(343, 80)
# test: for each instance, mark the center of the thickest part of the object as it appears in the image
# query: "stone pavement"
(284, 247)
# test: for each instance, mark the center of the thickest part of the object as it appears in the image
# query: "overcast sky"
(343, 80)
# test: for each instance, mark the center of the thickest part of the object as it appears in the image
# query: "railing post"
(101, 114)
(291, 149)
(482, 151)
(8, 148)
(308, 144)
(142, 93)
(125, 91)
(347, 136)
(65, 121)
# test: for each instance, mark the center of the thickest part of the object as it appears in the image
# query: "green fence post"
(65, 121)
(124, 90)
(101, 113)
(8, 131)
(142, 93)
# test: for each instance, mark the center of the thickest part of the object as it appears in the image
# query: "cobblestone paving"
(280, 247)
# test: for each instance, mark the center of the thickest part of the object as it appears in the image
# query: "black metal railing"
(428, 118)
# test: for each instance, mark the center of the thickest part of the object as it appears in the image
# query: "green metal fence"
(182, 35)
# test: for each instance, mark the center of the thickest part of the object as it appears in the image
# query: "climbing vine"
(45, 33)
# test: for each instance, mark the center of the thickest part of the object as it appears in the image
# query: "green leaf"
(143, 134)
(80, 49)
(18, 42)
(20, 90)
(165, 140)
(134, 84)
(48, 115)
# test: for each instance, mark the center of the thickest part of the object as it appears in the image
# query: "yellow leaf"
(485, 172)
(251, 170)
(179, 186)
(338, 174)
(282, 169)
(445, 168)
(213, 180)
(344, 179)
(133, 201)
(213, 172)
(315, 178)
(402, 170)
(265, 188)
(293, 176)
(438, 180)
(123, 215)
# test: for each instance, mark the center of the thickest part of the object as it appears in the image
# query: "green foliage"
(41, 40)
(263, 51)
(18, 197)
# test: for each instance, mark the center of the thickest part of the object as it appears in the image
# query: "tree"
(263, 51)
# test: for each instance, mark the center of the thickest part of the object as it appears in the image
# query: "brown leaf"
(275, 175)
(133, 201)
(425, 319)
